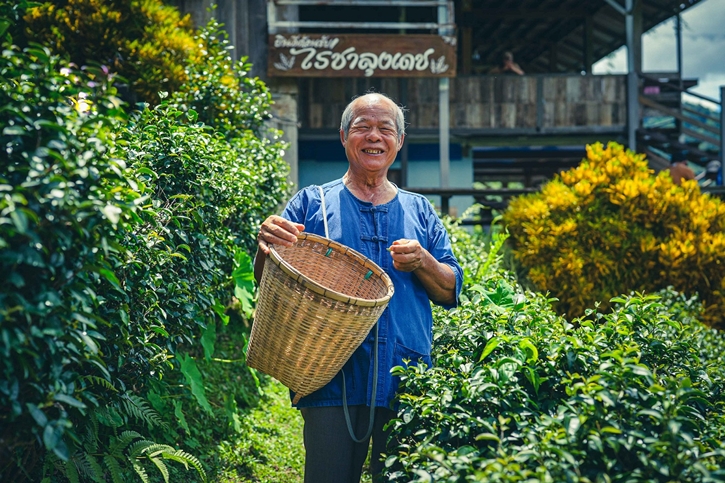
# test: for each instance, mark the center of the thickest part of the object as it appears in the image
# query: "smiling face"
(372, 141)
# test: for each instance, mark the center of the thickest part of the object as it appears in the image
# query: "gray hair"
(348, 113)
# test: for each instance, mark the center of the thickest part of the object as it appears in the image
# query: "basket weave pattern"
(317, 302)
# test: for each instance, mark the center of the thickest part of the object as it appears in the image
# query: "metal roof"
(530, 28)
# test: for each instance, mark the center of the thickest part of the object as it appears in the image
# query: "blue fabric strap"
(372, 397)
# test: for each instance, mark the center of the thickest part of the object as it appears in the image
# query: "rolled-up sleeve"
(439, 244)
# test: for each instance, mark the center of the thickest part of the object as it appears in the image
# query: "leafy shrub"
(609, 226)
(144, 41)
(123, 239)
(56, 231)
(64, 201)
(220, 90)
(517, 393)
(203, 210)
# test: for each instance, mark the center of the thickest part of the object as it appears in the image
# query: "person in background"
(399, 231)
(508, 66)
(679, 170)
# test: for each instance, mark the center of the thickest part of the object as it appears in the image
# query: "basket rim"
(319, 289)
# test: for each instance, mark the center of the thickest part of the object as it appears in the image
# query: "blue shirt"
(406, 325)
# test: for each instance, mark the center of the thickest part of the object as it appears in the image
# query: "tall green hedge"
(121, 234)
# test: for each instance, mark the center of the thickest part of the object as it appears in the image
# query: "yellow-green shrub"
(144, 41)
(610, 226)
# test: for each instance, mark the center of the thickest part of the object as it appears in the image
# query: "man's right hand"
(277, 231)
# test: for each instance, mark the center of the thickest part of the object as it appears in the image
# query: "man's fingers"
(404, 246)
(264, 246)
(277, 231)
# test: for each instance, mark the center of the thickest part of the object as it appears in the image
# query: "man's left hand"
(408, 255)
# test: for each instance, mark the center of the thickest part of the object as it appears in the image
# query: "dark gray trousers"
(331, 456)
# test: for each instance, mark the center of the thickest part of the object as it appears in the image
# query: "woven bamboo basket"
(317, 302)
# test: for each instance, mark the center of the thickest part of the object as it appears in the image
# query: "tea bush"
(518, 393)
(64, 203)
(609, 226)
(124, 238)
(220, 90)
(146, 42)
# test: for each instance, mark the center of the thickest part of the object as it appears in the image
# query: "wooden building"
(468, 122)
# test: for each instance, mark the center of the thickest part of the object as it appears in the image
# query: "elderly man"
(401, 232)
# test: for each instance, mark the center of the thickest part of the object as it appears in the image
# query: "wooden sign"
(331, 55)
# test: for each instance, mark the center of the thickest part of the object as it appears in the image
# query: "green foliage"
(61, 205)
(609, 226)
(124, 239)
(127, 452)
(268, 446)
(144, 41)
(220, 90)
(518, 393)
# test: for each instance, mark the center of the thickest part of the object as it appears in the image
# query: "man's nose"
(374, 134)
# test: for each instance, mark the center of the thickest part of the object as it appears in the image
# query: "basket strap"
(372, 397)
(375, 373)
(324, 212)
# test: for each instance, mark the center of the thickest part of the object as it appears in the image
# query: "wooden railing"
(711, 130)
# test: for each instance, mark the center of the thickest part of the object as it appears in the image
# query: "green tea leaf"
(490, 346)
(208, 338)
(194, 380)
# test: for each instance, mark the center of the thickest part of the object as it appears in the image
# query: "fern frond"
(138, 448)
(114, 468)
(120, 443)
(186, 459)
(162, 468)
(71, 472)
(96, 472)
(141, 471)
(90, 436)
(178, 459)
(85, 470)
(99, 381)
(157, 449)
(48, 467)
(141, 410)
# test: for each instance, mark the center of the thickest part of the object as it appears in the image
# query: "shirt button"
(375, 238)
(372, 209)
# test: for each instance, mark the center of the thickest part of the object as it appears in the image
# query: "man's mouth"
(372, 151)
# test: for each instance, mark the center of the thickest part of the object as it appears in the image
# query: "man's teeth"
(373, 151)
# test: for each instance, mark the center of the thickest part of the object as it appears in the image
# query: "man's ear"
(400, 143)
(342, 137)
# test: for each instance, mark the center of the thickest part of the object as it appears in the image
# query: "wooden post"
(227, 14)
(722, 133)
(678, 29)
(467, 41)
(539, 103)
(632, 78)
(403, 99)
(285, 94)
(444, 118)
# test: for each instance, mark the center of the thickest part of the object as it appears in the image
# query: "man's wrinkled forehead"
(367, 107)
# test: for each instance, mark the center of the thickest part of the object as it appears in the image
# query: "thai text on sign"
(330, 55)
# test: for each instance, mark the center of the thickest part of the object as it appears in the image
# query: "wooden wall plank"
(479, 102)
